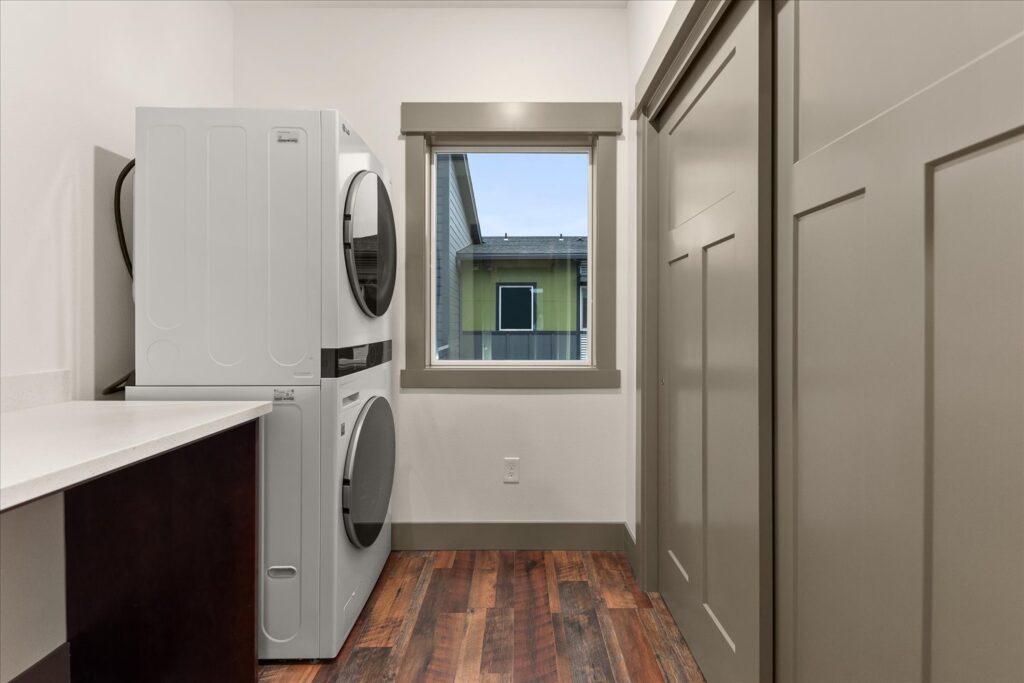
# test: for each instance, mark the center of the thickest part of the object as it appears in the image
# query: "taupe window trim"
(514, 124)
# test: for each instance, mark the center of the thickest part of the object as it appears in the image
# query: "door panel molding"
(960, 458)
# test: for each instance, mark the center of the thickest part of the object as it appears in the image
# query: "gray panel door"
(714, 452)
(900, 342)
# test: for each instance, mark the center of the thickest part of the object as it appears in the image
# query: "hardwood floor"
(505, 616)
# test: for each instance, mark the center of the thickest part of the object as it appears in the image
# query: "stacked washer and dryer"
(265, 263)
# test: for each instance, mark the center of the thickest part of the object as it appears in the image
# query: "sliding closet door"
(900, 347)
(714, 447)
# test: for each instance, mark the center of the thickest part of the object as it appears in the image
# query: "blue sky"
(530, 194)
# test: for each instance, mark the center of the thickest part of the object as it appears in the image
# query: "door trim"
(645, 566)
(766, 327)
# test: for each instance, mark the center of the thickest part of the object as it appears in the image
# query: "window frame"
(429, 127)
(532, 286)
(433, 351)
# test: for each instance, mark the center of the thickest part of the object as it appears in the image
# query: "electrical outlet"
(510, 472)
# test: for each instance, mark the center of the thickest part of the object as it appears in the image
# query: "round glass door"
(369, 243)
(369, 473)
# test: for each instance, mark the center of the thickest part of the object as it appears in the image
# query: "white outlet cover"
(510, 471)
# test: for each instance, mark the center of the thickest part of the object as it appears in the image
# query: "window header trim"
(430, 118)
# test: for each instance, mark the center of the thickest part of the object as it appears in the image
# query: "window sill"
(510, 378)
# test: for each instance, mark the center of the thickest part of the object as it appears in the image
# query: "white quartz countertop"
(50, 448)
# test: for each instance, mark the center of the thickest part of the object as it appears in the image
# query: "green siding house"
(524, 298)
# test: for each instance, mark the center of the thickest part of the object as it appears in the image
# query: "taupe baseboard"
(510, 536)
(629, 547)
(53, 668)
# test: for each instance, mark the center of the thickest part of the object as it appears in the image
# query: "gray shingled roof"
(501, 248)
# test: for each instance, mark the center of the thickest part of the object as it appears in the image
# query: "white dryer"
(265, 264)
(261, 238)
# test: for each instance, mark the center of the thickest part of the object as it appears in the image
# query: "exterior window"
(515, 308)
(510, 246)
(511, 238)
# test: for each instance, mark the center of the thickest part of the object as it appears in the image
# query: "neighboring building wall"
(452, 235)
(556, 305)
(556, 334)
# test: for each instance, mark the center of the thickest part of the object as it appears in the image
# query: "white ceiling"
(574, 4)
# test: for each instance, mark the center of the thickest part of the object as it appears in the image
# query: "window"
(510, 241)
(502, 218)
(515, 308)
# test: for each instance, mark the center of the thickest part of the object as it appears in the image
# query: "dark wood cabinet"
(161, 566)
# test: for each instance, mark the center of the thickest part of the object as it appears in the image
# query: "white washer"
(358, 482)
(327, 463)
(264, 268)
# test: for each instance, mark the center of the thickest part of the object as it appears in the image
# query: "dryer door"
(369, 243)
(369, 472)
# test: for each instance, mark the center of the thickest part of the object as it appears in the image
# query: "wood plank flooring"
(492, 616)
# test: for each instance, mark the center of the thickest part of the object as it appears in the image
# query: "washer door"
(369, 243)
(369, 472)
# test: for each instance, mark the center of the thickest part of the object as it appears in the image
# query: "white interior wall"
(646, 20)
(72, 74)
(575, 446)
